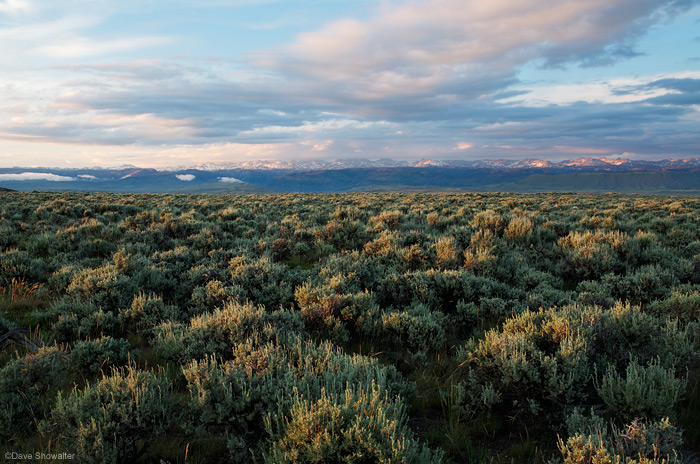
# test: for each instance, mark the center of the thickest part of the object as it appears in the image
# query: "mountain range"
(588, 174)
(362, 163)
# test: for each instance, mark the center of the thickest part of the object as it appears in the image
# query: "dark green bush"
(27, 390)
(93, 356)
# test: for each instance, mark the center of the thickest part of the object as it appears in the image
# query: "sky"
(182, 82)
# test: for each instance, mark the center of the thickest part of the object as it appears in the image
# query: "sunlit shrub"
(638, 442)
(480, 255)
(386, 219)
(219, 331)
(519, 229)
(350, 272)
(232, 397)
(111, 420)
(107, 286)
(488, 220)
(589, 255)
(213, 294)
(146, 311)
(537, 357)
(355, 426)
(446, 252)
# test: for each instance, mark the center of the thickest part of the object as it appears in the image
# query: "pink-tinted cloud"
(418, 47)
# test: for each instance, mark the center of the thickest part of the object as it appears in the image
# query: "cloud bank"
(409, 79)
(35, 176)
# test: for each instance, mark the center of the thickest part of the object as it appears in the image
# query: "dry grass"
(19, 290)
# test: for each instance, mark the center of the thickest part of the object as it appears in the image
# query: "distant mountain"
(588, 174)
(361, 163)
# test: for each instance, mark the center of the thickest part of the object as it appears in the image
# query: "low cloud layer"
(35, 176)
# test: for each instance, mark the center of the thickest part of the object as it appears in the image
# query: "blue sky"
(181, 82)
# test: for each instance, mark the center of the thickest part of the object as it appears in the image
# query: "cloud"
(35, 176)
(450, 47)
(462, 146)
(627, 90)
(13, 7)
(317, 145)
(77, 47)
(185, 177)
(416, 78)
(86, 176)
(229, 179)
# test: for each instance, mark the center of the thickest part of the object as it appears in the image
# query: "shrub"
(479, 256)
(627, 330)
(265, 283)
(650, 391)
(488, 220)
(76, 318)
(642, 285)
(24, 386)
(416, 327)
(446, 252)
(537, 358)
(146, 311)
(93, 356)
(519, 229)
(231, 398)
(219, 331)
(589, 255)
(356, 426)
(684, 306)
(18, 264)
(221, 402)
(114, 419)
(107, 286)
(638, 442)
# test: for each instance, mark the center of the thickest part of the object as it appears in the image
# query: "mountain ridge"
(348, 175)
(351, 163)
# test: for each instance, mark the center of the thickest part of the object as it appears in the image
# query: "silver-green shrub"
(112, 419)
(219, 331)
(416, 327)
(93, 356)
(358, 425)
(637, 442)
(652, 391)
(146, 311)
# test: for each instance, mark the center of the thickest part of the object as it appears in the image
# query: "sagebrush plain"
(361, 328)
